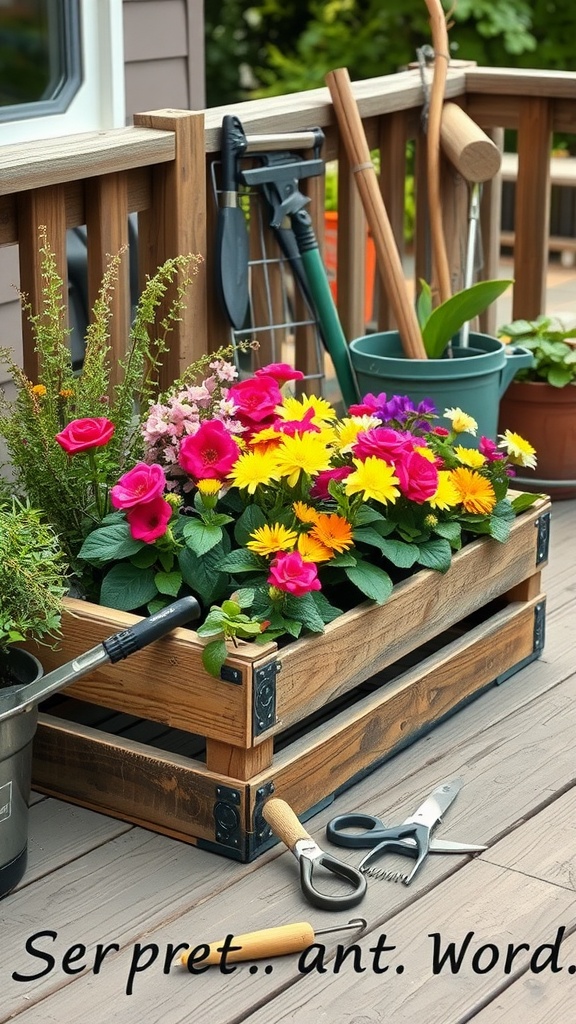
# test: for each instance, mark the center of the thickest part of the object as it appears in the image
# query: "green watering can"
(474, 379)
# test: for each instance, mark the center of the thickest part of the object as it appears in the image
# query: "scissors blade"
(432, 810)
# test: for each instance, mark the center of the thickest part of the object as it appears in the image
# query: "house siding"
(164, 67)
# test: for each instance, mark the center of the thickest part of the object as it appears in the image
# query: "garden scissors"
(413, 837)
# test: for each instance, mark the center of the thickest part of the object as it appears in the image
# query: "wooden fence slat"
(532, 210)
(41, 207)
(176, 225)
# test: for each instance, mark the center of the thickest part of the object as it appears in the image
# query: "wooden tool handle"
(284, 822)
(389, 262)
(475, 156)
(287, 938)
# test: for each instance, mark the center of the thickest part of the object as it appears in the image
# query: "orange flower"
(305, 513)
(312, 550)
(475, 491)
(333, 531)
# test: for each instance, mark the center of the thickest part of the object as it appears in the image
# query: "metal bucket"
(16, 735)
(19, 716)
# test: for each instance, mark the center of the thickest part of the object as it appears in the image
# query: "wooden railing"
(160, 169)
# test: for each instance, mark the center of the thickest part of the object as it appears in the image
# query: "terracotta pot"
(546, 417)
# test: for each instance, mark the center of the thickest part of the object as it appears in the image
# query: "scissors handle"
(371, 836)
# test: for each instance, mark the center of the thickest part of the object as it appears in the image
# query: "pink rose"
(417, 477)
(289, 572)
(81, 435)
(255, 399)
(142, 484)
(383, 442)
(319, 488)
(210, 453)
(281, 372)
(149, 520)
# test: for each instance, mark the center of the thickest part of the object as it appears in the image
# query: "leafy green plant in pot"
(33, 582)
(543, 398)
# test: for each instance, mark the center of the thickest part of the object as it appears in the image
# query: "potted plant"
(33, 582)
(542, 399)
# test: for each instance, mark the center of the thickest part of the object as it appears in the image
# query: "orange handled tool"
(268, 942)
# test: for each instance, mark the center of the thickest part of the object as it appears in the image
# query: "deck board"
(95, 879)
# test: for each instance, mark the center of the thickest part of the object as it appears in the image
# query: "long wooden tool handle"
(441, 61)
(286, 938)
(474, 155)
(284, 822)
(389, 262)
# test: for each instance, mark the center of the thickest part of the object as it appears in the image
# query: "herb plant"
(548, 341)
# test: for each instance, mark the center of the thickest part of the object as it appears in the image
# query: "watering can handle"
(116, 647)
(517, 358)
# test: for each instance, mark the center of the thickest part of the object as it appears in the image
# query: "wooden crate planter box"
(304, 721)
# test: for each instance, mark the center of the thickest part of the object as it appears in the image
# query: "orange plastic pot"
(331, 263)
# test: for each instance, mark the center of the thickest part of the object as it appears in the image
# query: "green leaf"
(559, 376)
(435, 554)
(199, 537)
(244, 596)
(220, 519)
(424, 303)
(328, 611)
(340, 561)
(523, 501)
(371, 581)
(156, 605)
(202, 574)
(450, 531)
(168, 583)
(366, 515)
(251, 519)
(214, 655)
(304, 610)
(399, 552)
(242, 561)
(110, 543)
(146, 557)
(447, 319)
(367, 535)
(126, 587)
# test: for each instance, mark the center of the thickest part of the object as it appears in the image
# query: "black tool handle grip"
(133, 639)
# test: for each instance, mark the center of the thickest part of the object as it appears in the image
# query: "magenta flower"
(417, 477)
(143, 483)
(292, 427)
(281, 372)
(210, 453)
(149, 520)
(255, 400)
(368, 406)
(489, 449)
(81, 435)
(289, 572)
(384, 443)
(319, 488)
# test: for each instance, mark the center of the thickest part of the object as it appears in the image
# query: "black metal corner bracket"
(542, 524)
(227, 821)
(539, 626)
(264, 697)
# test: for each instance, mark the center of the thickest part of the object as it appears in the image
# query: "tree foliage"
(273, 47)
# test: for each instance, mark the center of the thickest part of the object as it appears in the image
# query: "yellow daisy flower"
(305, 513)
(253, 468)
(347, 430)
(519, 451)
(265, 435)
(296, 409)
(304, 453)
(476, 492)
(446, 494)
(469, 456)
(268, 540)
(209, 487)
(312, 550)
(373, 478)
(462, 423)
(333, 531)
(39, 390)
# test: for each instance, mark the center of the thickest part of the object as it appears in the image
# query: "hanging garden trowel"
(232, 255)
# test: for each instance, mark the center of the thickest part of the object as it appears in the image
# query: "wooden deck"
(93, 881)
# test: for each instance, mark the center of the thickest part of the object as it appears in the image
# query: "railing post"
(176, 225)
(532, 210)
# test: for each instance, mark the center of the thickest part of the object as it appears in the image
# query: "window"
(61, 67)
(40, 57)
